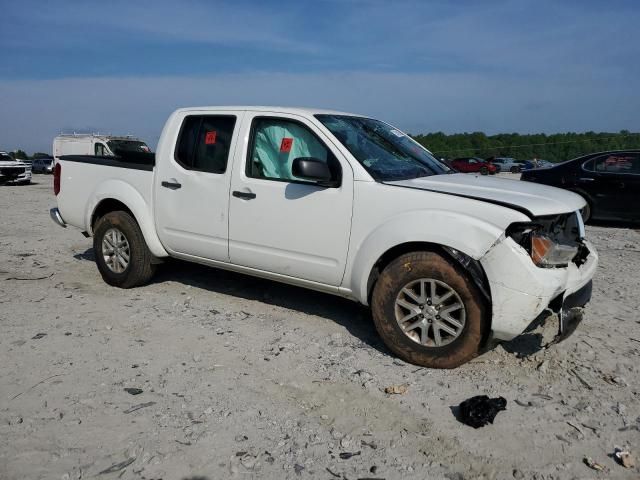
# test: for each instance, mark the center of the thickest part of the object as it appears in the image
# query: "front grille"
(11, 171)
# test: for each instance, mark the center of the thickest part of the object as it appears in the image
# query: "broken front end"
(543, 264)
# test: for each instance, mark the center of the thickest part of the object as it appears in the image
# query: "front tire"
(484, 171)
(428, 311)
(122, 255)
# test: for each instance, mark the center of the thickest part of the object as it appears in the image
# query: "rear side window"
(618, 163)
(204, 142)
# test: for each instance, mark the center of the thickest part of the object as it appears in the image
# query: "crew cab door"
(280, 223)
(192, 185)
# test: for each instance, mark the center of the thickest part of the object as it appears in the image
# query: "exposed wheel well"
(108, 205)
(471, 266)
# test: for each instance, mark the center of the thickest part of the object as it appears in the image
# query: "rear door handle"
(171, 185)
(244, 195)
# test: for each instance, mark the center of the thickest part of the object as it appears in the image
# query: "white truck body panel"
(327, 239)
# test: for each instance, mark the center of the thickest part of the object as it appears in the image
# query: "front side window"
(205, 142)
(386, 153)
(277, 142)
(617, 163)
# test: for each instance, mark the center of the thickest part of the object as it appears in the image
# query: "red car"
(474, 164)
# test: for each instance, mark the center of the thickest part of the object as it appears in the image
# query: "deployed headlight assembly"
(551, 241)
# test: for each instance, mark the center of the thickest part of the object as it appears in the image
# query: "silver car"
(42, 165)
(507, 164)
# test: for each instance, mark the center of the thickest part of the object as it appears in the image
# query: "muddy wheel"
(428, 311)
(122, 255)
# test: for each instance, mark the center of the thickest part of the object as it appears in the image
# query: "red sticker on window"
(285, 145)
(210, 138)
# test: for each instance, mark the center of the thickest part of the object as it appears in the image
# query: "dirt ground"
(247, 378)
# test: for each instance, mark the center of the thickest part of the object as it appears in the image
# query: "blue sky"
(493, 66)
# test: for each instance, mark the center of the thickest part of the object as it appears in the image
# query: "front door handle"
(244, 195)
(171, 185)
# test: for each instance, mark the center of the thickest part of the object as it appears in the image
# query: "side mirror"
(312, 169)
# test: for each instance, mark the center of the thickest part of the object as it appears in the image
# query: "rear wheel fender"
(129, 196)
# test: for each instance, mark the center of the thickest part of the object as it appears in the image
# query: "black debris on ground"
(480, 410)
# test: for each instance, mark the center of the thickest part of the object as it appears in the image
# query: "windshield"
(5, 158)
(386, 153)
(127, 146)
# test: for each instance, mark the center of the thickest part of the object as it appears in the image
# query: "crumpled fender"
(460, 231)
(124, 192)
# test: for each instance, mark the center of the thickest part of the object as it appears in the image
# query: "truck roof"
(71, 136)
(267, 108)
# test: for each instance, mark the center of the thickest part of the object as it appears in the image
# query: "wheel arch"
(438, 231)
(471, 266)
(117, 195)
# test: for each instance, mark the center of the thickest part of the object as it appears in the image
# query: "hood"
(12, 163)
(531, 198)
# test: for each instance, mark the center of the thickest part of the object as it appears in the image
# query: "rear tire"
(388, 310)
(122, 255)
(484, 171)
(514, 169)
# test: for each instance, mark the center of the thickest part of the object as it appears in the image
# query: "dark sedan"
(608, 181)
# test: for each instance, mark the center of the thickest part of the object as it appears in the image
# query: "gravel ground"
(247, 378)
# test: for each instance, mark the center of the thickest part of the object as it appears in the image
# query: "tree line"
(22, 155)
(555, 147)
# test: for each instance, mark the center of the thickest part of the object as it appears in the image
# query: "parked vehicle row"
(492, 165)
(343, 204)
(608, 181)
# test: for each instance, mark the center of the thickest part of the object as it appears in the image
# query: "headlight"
(546, 253)
(551, 241)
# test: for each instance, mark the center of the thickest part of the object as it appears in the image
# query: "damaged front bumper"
(571, 311)
(520, 290)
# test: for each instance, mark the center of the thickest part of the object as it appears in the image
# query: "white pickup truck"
(343, 204)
